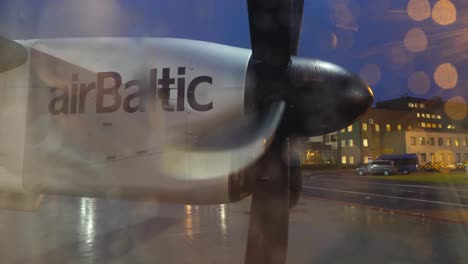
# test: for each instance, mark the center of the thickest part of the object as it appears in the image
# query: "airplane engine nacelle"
(115, 117)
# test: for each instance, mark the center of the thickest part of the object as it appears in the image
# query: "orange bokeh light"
(419, 10)
(456, 108)
(415, 40)
(444, 12)
(370, 73)
(446, 76)
(419, 83)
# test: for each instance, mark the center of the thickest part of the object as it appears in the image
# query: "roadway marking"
(393, 184)
(386, 196)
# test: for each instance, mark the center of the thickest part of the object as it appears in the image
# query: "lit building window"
(343, 159)
(350, 142)
(423, 124)
(350, 128)
(377, 127)
(416, 105)
(398, 127)
(351, 159)
(412, 141)
(440, 125)
(423, 115)
(433, 116)
(364, 126)
(422, 141)
(343, 143)
(418, 114)
(448, 142)
(411, 105)
(343, 130)
(465, 142)
(365, 142)
(434, 125)
(456, 142)
(428, 115)
(388, 127)
(439, 117)
(422, 105)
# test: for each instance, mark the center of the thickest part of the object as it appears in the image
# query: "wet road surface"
(84, 230)
(433, 200)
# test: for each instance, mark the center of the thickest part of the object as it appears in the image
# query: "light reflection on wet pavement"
(436, 201)
(84, 230)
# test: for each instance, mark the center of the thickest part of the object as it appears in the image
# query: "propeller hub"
(321, 97)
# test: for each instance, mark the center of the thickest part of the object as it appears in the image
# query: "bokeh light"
(334, 40)
(446, 76)
(343, 16)
(370, 73)
(419, 83)
(415, 40)
(327, 40)
(88, 17)
(399, 55)
(419, 10)
(345, 39)
(444, 12)
(456, 108)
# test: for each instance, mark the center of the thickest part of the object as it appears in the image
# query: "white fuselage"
(106, 116)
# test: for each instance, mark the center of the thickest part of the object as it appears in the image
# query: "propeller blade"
(270, 24)
(295, 176)
(12, 54)
(227, 150)
(269, 214)
(297, 11)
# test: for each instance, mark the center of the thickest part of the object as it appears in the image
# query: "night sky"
(370, 37)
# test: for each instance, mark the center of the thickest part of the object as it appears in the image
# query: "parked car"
(385, 167)
(461, 165)
(437, 166)
(405, 163)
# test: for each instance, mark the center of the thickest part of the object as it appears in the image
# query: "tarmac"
(322, 230)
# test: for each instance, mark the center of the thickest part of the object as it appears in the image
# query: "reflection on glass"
(87, 228)
(188, 222)
(222, 222)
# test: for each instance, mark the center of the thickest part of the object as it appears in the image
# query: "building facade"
(320, 149)
(433, 129)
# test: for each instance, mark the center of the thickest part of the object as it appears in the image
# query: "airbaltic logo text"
(109, 85)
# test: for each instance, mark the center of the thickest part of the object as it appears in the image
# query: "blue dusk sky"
(397, 46)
